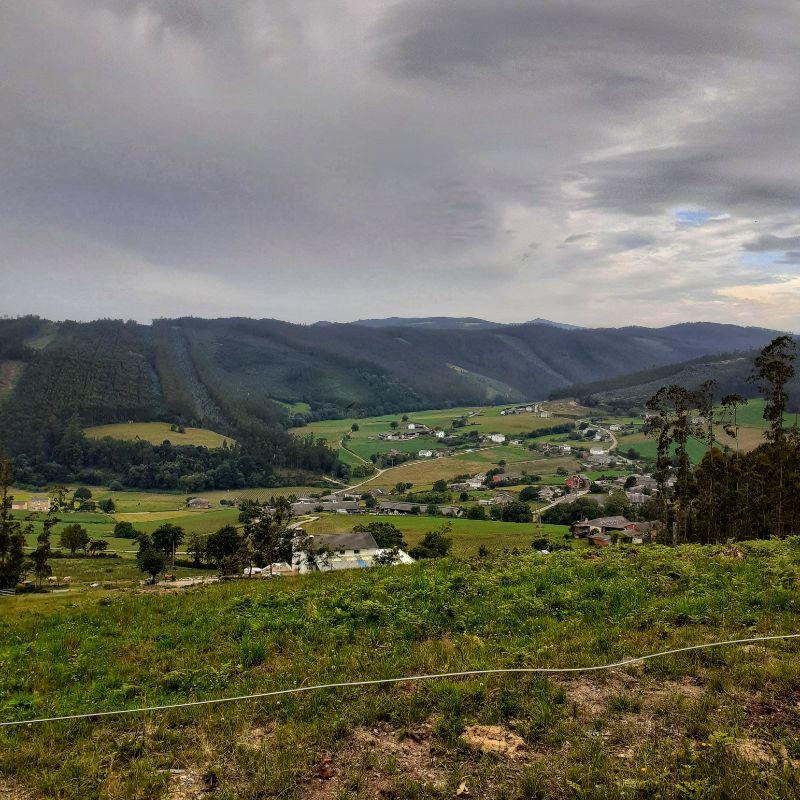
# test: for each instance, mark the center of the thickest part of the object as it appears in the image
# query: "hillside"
(250, 380)
(216, 373)
(718, 723)
(730, 371)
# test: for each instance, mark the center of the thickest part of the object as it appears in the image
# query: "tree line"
(730, 494)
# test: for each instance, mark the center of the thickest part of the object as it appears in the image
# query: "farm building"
(497, 438)
(599, 539)
(425, 454)
(19, 505)
(603, 524)
(451, 511)
(336, 506)
(39, 502)
(329, 552)
(198, 502)
(497, 500)
(398, 507)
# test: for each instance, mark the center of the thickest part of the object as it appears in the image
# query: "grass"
(101, 526)
(365, 440)
(158, 432)
(468, 535)
(710, 724)
(422, 474)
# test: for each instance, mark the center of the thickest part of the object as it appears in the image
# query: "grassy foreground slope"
(719, 723)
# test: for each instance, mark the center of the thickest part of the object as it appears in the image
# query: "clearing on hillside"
(157, 432)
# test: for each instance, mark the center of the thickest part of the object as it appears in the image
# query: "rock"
(494, 739)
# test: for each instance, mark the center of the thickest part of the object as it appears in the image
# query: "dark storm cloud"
(267, 157)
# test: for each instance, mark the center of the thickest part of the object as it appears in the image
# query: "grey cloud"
(771, 242)
(264, 145)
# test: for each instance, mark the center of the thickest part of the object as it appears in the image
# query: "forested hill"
(224, 373)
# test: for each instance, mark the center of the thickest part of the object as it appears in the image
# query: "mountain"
(431, 323)
(563, 325)
(225, 372)
(730, 371)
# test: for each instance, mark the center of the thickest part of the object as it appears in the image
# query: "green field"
(101, 526)
(365, 441)
(706, 724)
(468, 535)
(158, 432)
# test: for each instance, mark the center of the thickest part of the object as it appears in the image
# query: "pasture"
(468, 535)
(719, 723)
(364, 442)
(157, 433)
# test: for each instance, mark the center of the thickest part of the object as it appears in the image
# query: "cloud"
(767, 242)
(307, 160)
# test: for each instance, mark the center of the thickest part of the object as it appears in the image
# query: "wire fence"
(92, 715)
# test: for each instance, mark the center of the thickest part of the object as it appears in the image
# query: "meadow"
(364, 442)
(157, 433)
(717, 723)
(468, 535)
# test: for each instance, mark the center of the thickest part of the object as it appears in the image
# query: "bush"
(435, 544)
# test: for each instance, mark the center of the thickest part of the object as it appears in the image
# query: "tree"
(385, 534)
(167, 539)
(435, 544)
(108, 506)
(439, 486)
(197, 548)
(515, 511)
(82, 493)
(222, 544)
(617, 504)
(98, 546)
(74, 537)
(150, 560)
(125, 530)
(476, 512)
(404, 417)
(12, 535)
(528, 494)
(394, 425)
(630, 481)
(41, 553)
(354, 427)
(387, 558)
(773, 369)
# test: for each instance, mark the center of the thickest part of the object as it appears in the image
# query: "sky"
(599, 162)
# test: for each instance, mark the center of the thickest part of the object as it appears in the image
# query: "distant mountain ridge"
(431, 323)
(223, 372)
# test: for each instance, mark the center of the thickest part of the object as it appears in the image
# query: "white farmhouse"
(425, 453)
(497, 438)
(329, 552)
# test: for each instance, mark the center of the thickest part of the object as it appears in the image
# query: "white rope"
(377, 681)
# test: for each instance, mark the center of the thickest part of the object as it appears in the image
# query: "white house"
(497, 438)
(565, 448)
(329, 552)
(425, 453)
(597, 451)
(439, 434)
